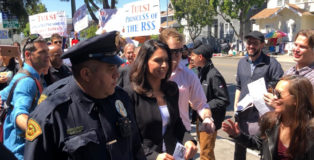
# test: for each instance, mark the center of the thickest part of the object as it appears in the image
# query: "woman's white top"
(165, 116)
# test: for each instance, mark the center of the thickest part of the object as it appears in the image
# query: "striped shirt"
(307, 72)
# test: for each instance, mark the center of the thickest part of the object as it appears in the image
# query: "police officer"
(89, 117)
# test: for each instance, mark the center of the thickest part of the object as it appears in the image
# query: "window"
(268, 28)
(226, 29)
(279, 3)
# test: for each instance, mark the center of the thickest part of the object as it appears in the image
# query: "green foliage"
(156, 37)
(19, 8)
(235, 9)
(89, 32)
(26, 30)
(197, 13)
(39, 8)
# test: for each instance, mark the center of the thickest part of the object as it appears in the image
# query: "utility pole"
(167, 13)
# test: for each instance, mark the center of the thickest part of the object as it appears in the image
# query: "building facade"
(289, 16)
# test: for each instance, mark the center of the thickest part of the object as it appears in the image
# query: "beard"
(255, 53)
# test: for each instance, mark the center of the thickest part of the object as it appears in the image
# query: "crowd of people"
(122, 101)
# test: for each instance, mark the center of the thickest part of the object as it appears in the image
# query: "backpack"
(5, 107)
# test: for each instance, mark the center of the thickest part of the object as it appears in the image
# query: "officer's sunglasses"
(31, 38)
(176, 51)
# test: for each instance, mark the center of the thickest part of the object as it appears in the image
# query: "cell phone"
(11, 51)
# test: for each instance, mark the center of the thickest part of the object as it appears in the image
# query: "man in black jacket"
(216, 93)
(251, 68)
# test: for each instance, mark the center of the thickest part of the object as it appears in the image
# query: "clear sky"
(58, 5)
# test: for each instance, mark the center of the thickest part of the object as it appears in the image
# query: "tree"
(18, 9)
(92, 6)
(197, 13)
(89, 32)
(236, 9)
(22, 9)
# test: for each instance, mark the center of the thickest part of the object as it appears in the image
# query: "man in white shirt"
(190, 89)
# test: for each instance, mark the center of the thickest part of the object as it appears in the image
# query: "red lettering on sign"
(47, 17)
(140, 8)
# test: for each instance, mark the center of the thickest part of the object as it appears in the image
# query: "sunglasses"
(55, 42)
(176, 51)
(277, 94)
(31, 38)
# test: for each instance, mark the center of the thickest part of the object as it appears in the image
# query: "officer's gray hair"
(128, 45)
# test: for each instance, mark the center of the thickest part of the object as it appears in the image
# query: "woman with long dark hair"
(8, 69)
(155, 101)
(288, 131)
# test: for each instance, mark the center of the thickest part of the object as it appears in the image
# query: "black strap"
(10, 96)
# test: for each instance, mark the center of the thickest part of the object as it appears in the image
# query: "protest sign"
(110, 20)
(48, 23)
(140, 18)
(80, 19)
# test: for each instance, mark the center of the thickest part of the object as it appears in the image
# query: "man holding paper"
(251, 68)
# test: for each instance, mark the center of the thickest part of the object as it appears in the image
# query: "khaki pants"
(207, 144)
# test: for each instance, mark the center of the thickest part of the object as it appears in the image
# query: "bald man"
(57, 70)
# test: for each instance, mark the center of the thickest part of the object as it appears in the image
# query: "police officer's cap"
(102, 48)
(203, 49)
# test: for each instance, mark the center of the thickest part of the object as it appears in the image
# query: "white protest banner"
(110, 20)
(80, 18)
(142, 18)
(48, 23)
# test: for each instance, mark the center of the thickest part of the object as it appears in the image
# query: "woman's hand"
(269, 99)
(191, 150)
(164, 156)
(232, 128)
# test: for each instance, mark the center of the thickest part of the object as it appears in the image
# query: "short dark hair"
(55, 36)
(76, 68)
(140, 67)
(30, 45)
(309, 34)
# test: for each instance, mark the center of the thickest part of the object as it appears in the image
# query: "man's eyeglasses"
(176, 51)
(31, 38)
(55, 42)
(277, 94)
(254, 43)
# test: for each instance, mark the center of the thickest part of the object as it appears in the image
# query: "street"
(227, 66)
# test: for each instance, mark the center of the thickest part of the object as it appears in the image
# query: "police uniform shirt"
(73, 125)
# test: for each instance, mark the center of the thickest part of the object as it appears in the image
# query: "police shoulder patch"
(33, 130)
(41, 98)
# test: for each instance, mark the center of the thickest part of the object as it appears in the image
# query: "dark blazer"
(268, 145)
(149, 122)
(216, 92)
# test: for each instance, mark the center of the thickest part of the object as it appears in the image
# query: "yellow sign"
(33, 130)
